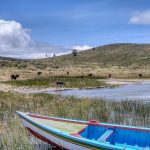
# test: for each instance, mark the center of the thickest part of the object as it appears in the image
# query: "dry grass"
(117, 72)
(126, 112)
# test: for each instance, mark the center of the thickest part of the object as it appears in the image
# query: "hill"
(127, 55)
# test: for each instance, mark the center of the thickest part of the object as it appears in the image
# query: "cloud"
(13, 35)
(82, 48)
(141, 18)
(15, 41)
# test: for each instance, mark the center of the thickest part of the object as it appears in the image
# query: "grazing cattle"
(109, 75)
(17, 75)
(60, 83)
(90, 74)
(140, 75)
(14, 77)
(82, 76)
(39, 73)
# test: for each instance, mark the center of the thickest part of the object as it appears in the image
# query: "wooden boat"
(82, 135)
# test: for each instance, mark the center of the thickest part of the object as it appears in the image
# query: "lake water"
(132, 91)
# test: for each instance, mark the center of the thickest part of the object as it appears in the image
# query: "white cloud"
(15, 41)
(141, 18)
(82, 48)
(12, 35)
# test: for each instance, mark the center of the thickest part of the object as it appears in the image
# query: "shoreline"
(110, 83)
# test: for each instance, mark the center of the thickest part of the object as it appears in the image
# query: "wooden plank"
(63, 126)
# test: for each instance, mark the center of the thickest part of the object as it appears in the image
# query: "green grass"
(70, 82)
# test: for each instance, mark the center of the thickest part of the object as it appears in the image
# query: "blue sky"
(76, 23)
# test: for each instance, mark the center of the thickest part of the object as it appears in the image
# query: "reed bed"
(13, 135)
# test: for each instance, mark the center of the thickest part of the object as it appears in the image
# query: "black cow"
(82, 76)
(140, 75)
(39, 73)
(14, 77)
(109, 75)
(60, 83)
(90, 74)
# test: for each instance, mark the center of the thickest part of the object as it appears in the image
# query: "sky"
(32, 28)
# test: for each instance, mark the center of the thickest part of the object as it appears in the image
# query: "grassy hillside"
(109, 55)
(104, 56)
(12, 62)
(121, 60)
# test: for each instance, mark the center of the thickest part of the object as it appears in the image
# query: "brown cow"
(90, 74)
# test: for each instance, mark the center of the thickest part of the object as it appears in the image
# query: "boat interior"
(121, 136)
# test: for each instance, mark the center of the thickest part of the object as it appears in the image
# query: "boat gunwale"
(58, 119)
(141, 129)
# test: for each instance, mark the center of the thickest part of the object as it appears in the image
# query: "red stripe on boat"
(76, 135)
(81, 131)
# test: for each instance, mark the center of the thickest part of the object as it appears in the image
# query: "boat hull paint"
(46, 137)
(70, 141)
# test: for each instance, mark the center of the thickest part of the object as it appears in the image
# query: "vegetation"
(70, 82)
(126, 55)
(124, 112)
(120, 60)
